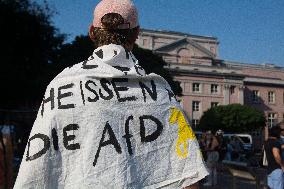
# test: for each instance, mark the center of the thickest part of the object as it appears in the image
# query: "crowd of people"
(216, 148)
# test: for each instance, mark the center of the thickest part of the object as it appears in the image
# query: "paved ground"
(226, 181)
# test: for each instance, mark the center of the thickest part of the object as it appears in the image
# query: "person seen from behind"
(222, 146)
(112, 125)
(281, 125)
(275, 168)
(212, 154)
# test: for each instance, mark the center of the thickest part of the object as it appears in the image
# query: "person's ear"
(91, 33)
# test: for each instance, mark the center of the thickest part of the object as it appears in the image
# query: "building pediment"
(185, 43)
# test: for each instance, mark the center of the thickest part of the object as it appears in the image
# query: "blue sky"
(249, 31)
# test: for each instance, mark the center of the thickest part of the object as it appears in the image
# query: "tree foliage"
(232, 118)
(29, 43)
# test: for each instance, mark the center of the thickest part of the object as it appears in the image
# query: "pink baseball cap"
(125, 8)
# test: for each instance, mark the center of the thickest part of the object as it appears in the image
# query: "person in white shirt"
(104, 123)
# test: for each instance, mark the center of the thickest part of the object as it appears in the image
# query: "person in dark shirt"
(281, 125)
(275, 178)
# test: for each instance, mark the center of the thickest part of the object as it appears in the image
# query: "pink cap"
(125, 8)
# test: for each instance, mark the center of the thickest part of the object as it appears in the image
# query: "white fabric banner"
(104, 123)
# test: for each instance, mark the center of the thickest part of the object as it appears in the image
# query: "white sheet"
(103, 126)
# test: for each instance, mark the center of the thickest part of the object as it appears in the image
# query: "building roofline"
(193, 43)
(178, 33)
(180, 72)
(264, 81)
(187, 66)
(194, 69)
(250, 65)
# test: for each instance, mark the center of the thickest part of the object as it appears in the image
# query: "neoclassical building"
(209, 81)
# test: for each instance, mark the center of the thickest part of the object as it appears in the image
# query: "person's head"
(219, 133)
(281, 125)
(203, 136)
(115, 22)
(275, 131)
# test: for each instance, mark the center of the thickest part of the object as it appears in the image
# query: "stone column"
(241, 94)
(226, 93)
(152, 43)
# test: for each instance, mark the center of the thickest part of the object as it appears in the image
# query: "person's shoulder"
(155, 77)
(277, 143)
(281, 140)
(67, 73)
(273, 143)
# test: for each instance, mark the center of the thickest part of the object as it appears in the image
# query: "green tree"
(82, 47)
(29, 43)
(232, 118)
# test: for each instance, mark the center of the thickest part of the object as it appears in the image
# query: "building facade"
(209, 81)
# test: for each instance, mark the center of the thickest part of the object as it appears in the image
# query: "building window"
(255, 96)
(271, 97)
(196, 87)
(272, 119)
(214, 104)
(195, 123)
(214, 89)
(232, 89)
(195, 106)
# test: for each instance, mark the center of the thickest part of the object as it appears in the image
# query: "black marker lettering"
(171, 95)
(155, 134)
(117, 89)
(104, 83)
(82, 93)
(67, 138)
(138, 68)
(54, 139)
(112, 140)
(100, 54)
(127, 135)
(152, 93)
(123, 69)
(49, 99)
(88, 67)
(87, 86)
(46, 146)
(64, 95)
(127, 54)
